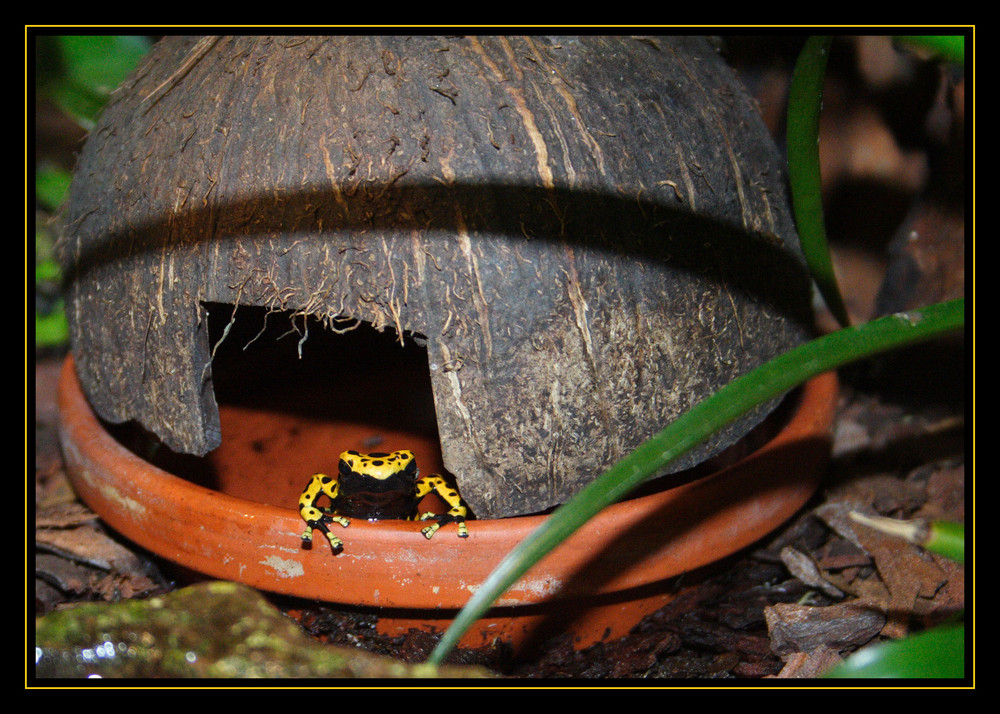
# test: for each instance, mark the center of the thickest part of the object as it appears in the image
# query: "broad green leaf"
(938, 653)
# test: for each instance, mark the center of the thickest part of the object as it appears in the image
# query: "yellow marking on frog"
(370, 485)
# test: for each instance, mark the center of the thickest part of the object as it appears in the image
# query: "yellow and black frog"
(377, 486)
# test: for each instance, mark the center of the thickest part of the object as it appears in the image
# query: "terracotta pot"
(613, 571)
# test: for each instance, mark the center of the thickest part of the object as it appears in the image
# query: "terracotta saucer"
(614, 570)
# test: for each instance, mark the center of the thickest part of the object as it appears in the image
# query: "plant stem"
(941, 537)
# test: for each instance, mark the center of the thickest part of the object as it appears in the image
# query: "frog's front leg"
(320, 524)
(317, 518)
(456, 513)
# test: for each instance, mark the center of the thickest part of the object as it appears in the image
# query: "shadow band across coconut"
(598, 584)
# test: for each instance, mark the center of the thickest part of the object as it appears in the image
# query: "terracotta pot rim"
(388, 563)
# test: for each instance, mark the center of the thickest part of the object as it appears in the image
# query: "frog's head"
(379, 466)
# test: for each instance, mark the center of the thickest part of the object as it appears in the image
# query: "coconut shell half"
(590, 233)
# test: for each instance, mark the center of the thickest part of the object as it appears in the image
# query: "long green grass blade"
(764, 383)
(805, 97)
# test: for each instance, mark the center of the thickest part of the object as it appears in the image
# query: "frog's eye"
(410, 469)
(347, 462)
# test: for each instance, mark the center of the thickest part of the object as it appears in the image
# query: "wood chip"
(808, 665)
(802, 567)
(87, 544)
(803, 628)
(64, 515)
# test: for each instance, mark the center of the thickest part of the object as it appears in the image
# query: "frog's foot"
(430, 530)
(320, 525)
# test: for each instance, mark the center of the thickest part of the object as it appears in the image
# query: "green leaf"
(51, 185)
(91, 67)
(101, 62)
(949, 47)
(947, 539)
(52, 329)
(805, 97)
(762, 384)
(47, 271)
(937, 653)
